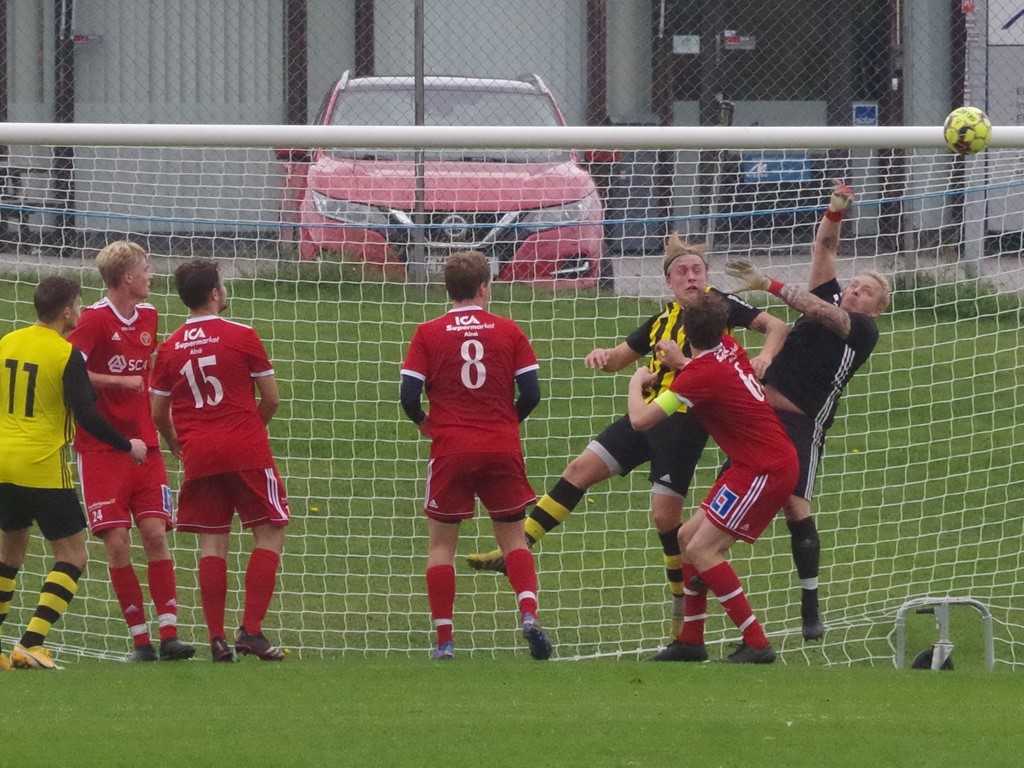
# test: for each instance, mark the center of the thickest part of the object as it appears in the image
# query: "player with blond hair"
(833, 338)
(118, 336)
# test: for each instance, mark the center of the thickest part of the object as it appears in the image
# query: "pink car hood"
(452, 186)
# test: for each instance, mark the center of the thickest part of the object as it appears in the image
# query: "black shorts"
(809, 440)
(57, 511)
(673, 448)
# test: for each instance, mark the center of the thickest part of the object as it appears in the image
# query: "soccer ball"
(967, 131)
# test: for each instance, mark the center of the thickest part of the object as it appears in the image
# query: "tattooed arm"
(802, 300)
(829, 315)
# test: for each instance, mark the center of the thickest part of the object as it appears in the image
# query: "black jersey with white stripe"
(815, 365)
(667, 325)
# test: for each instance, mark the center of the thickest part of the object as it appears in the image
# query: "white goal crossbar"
(569, 137)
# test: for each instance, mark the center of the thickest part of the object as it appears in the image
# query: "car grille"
(459, 228)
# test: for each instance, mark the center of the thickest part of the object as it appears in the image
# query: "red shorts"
(208, 504)
(454, 482)
(743, 501)
(117, 491)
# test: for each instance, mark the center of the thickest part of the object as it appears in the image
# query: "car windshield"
(448, 106)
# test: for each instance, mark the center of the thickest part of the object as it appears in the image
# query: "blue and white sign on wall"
(775, 167)
(865, 113)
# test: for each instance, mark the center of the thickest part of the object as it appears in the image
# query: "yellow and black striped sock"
(552, 510)
(673, 560)
(58, 589)
(7, 585)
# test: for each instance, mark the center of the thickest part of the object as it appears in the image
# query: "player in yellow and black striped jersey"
(43, 381)
(673, 448)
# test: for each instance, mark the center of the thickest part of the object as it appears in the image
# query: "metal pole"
(726, 110)
(64, 112)
(296, 67)
(976, 79)
(6, 178)
(416, 267)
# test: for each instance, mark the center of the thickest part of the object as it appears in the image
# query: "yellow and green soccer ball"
(967, 131)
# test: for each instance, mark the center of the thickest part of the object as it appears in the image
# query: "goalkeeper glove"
(842, 198)
(752, 277)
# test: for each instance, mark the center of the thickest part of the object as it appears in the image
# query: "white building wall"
(468, 37)
(330, 37)
(629, 61)
(29, 61)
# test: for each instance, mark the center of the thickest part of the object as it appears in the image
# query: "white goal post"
(919, 494)
(496, 137)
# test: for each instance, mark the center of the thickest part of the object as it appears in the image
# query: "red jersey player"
(117, 336)
(721, 388)
(205, 409)
(471, 363)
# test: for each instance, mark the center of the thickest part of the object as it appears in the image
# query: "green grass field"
(919, 493)
(508, 713)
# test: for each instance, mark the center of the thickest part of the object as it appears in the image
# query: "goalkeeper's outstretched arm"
(802, 300)
(826, 237)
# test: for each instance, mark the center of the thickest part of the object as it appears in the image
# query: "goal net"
(332, 256)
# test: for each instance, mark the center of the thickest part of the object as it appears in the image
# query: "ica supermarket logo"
(191, 334)
(466, 320)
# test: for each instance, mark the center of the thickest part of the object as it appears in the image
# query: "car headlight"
(567, 213)
(348, 211)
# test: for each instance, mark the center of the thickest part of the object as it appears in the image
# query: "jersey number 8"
(474, 374)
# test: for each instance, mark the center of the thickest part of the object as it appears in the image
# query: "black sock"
(806, 547)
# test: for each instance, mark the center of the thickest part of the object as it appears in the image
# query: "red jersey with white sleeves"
(726, 397)
(207, 368)
(468, 360)
(118, 346)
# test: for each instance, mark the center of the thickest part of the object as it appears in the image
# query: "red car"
(535, 213)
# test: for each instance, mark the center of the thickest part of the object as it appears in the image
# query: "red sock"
(441, 595)
(260, 582)
(213, 590)
(129, 595)
(164, 592)
(723, 581)
(695, 608)
(522, 575)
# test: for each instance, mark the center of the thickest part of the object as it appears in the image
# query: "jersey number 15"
(206, 388)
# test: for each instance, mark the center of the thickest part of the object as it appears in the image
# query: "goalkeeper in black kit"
(833, 338)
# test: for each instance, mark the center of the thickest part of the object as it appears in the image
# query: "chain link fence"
(776, 63)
